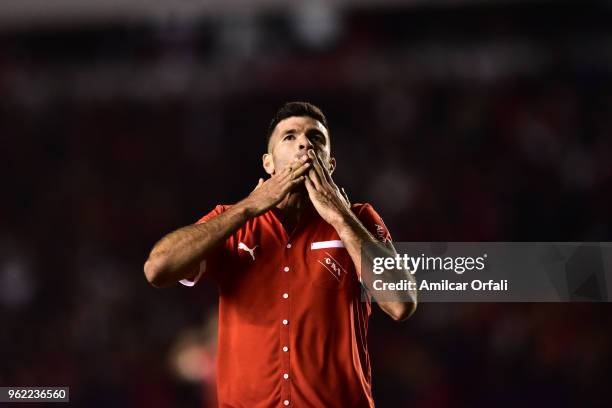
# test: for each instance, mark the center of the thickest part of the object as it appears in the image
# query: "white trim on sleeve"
(191, 283)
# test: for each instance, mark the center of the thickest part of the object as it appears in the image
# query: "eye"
(290, 136)
(317, 138)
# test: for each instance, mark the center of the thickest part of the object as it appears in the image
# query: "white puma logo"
(243, 246)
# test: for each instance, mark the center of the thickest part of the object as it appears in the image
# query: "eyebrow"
(309, 132)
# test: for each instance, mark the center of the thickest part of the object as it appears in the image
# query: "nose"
(304, 142)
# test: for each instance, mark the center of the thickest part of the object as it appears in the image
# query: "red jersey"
(292, 325)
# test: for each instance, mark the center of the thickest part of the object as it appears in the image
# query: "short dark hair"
(290, 109)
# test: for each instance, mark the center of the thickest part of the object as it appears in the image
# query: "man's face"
(292, 138)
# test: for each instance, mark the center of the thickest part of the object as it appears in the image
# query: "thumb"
(261, 181)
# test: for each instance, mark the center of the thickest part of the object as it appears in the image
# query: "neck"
(292, 208)
(294, 204)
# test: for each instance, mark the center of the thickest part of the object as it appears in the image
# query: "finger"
(345, 196)
(314, 179)
(318, 165)
(300, 170)
(327, 175)
(282, 175)
(288, 170)
(291, 184)
(297, 181)
(309, 186)
(294, 165)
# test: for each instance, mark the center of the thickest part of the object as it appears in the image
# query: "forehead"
(299, 123)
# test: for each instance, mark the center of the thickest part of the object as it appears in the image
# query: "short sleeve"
(212, 260)
(373, 223)
(216, 211)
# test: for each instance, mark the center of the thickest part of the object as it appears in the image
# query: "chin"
(300, 189)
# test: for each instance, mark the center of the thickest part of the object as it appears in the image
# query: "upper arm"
(374, 223)
(207, 267)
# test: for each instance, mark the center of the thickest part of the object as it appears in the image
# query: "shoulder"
(372, 221)
(219, 208)
(362, 208)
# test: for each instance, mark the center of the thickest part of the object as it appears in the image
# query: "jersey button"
(288, 246)
(285, 322)
(285, 295)
(286, 269)
(286, 376)
(285, 349)
(286, 402)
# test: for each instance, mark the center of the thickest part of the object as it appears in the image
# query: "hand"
(330, 203)
(272, 191)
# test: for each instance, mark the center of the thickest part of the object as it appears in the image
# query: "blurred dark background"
(457, 120)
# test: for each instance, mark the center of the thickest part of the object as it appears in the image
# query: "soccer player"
(287, 264)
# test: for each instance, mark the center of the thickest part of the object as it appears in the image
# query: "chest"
(264, 257)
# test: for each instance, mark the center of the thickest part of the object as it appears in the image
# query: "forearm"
(360, 243)
(178, 255)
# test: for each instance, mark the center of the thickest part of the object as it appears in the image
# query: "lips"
(300, 155)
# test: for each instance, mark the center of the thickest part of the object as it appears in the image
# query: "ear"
(268, 163)
(332, 165)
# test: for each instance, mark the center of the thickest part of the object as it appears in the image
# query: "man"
(287, 262)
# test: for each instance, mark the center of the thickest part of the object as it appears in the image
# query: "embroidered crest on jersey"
(332, 266)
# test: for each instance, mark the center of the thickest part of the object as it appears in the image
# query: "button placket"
(285, 327)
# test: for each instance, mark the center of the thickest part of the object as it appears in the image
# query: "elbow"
(153, 271)
(403, 311)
